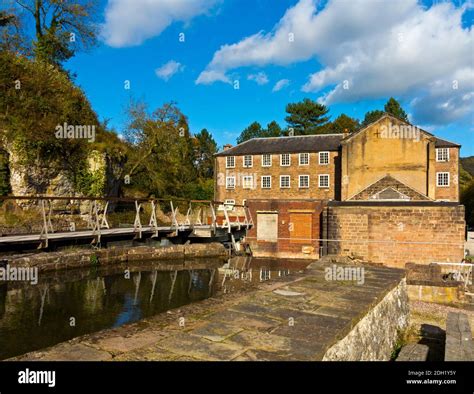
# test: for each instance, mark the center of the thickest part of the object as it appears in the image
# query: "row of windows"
(442, 180)
(285, 182)
(285, 160)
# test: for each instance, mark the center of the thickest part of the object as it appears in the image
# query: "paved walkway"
(295, 318)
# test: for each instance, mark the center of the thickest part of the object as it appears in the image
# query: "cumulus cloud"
(130, 22)
(260, 78)
(167, 70)
(282, 83)
(399, 48)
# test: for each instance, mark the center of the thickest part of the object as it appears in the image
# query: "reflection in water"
(33, 317)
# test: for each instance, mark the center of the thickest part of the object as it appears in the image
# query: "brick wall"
(396, 234)
(294, 170)
(289, 243)
(451, 192)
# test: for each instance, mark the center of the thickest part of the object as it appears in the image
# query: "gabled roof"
(371, 191)
(297, 144)
(311, 143)
(439, 143)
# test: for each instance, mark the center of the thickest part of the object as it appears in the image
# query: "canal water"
(64, 305)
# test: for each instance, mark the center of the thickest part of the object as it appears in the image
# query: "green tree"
(371, 117)
(467, 199)
(205, 148)
(255, 130)
(343, 124)
(11, 38)
(37, 98)
(306, 117)
(273, 129)
(60, 27)
(394, 108)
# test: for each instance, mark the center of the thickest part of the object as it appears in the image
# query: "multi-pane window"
(266, 160)
(323, 158)
(248, 161)
(247, 182)
(230, 182)
(442, 179)
(304, 181)
(442, 154)
(266, 182)
(285, 159)
(323, 181)
(304, 159)
(284, 181)
(230, 162)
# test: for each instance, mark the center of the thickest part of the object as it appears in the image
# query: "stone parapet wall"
(85, 258)
(396, 234)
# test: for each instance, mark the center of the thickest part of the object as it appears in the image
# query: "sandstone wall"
(374, 337)
(398, 234)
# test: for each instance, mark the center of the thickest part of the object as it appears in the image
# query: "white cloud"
(394, 48)
(282, 83)
(260, 78)
(167, 70)
(130, 22)
(211, 76)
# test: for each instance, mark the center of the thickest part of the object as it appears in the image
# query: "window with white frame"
(442, 179)
(323, 158)
(442, 154)
(285, 159)
(248, 161)
(323, 181)
(266, 182)
(304, 181)
(230, 182)
(284, 181)
(304, 159)
(266, 160)
(247, 182)
(230, 162)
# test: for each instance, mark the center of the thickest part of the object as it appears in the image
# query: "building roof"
(439, 143)
(309, 143)
(297, 144)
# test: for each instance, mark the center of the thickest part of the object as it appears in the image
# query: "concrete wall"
(294, 170)
(298, 228)
(398, 234)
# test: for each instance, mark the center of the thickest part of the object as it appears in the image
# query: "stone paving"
(294, 318)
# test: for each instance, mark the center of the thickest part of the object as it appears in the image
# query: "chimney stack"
(227, 146)
(345, 133)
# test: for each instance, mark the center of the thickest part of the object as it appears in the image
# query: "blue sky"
(419, 52)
